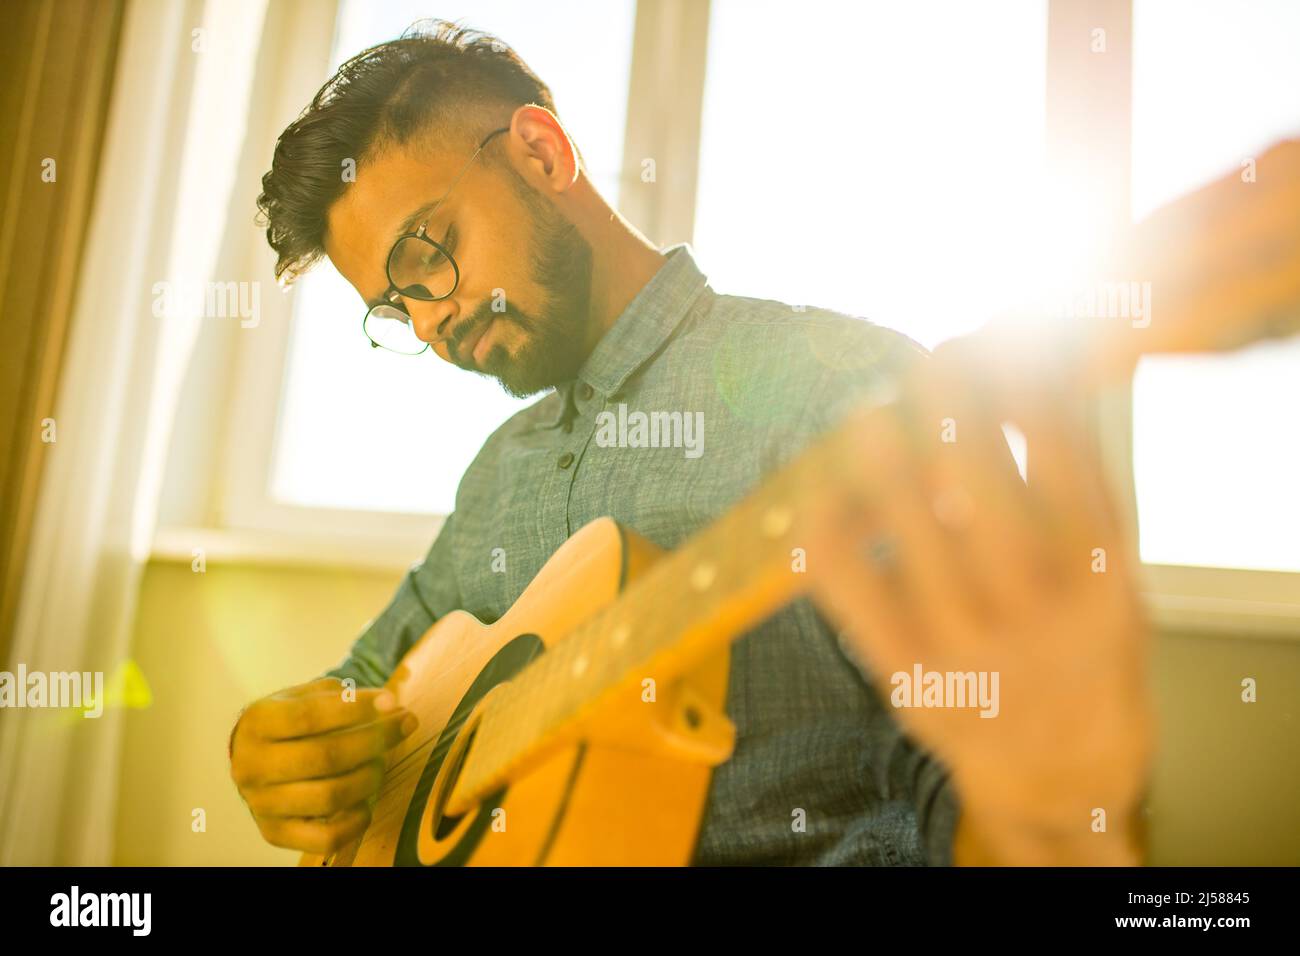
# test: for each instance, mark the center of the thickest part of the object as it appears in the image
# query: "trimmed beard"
(555, 346)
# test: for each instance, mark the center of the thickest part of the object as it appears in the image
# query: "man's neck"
(623, 261)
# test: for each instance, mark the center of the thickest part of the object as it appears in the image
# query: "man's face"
(520, 312)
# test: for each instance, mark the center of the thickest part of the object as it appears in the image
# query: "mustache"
(474, 325)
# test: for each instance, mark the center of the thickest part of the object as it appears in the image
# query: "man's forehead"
(389, 192)
(392, 195)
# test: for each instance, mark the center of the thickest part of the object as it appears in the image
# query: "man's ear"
(545, 147)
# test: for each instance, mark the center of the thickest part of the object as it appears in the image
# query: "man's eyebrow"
(408, 224)
(404, 228)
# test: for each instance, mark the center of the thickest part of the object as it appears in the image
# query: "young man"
(472, 226)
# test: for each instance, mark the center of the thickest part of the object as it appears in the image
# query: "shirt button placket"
(583, 393)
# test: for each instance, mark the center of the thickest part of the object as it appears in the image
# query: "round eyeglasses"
(419, 268)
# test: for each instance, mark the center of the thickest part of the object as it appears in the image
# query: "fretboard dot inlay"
(580, 666)
(620, 635)
(703, 575)
(777, 521)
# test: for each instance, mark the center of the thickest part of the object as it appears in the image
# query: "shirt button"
(565, 460)
(567, 427)
(586, 391)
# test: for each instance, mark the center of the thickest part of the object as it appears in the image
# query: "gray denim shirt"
(763, 378)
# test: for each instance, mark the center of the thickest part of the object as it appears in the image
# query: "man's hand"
(947, 560)
(308, 760)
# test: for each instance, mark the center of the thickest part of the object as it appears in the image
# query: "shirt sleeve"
(937, 810)
(427, 592)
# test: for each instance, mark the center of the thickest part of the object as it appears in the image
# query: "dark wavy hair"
(443, 83)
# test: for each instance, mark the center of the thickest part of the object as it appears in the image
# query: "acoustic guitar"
(581, 728)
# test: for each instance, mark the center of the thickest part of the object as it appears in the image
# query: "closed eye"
(434, 258)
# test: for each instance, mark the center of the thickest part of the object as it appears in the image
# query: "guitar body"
(629, 790)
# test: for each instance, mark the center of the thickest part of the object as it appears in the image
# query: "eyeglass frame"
(391, 296)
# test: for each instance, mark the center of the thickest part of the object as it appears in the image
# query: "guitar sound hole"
(445, 825)
(421, 841)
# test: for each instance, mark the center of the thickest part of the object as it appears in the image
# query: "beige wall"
(1227, 785)
(208, 644)
(1226, 789)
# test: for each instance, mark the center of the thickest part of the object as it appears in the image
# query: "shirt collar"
(647, 321)
(642, 327)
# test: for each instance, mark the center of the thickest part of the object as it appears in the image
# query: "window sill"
(1223, 600)
(247, 546)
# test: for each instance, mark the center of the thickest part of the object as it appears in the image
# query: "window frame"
(249, 521)
(1178, 597)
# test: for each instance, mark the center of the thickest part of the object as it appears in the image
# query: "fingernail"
(409, 723)
(385, 701)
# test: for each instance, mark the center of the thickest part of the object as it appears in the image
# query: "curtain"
(56, 68)
(182, 89)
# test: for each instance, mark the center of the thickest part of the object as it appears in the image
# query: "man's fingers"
(325, 755)
(319, 712)
(979, 494)
(317, 798)
(927, 566)
(1047, 530)
(1067, 481)
(854, 581)
(313, 686)
(316, 835)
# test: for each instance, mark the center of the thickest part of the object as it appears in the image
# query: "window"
(881, 159)
(1216, 440)
(365, 430)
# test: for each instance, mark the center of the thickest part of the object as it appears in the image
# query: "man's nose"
(432, 321)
